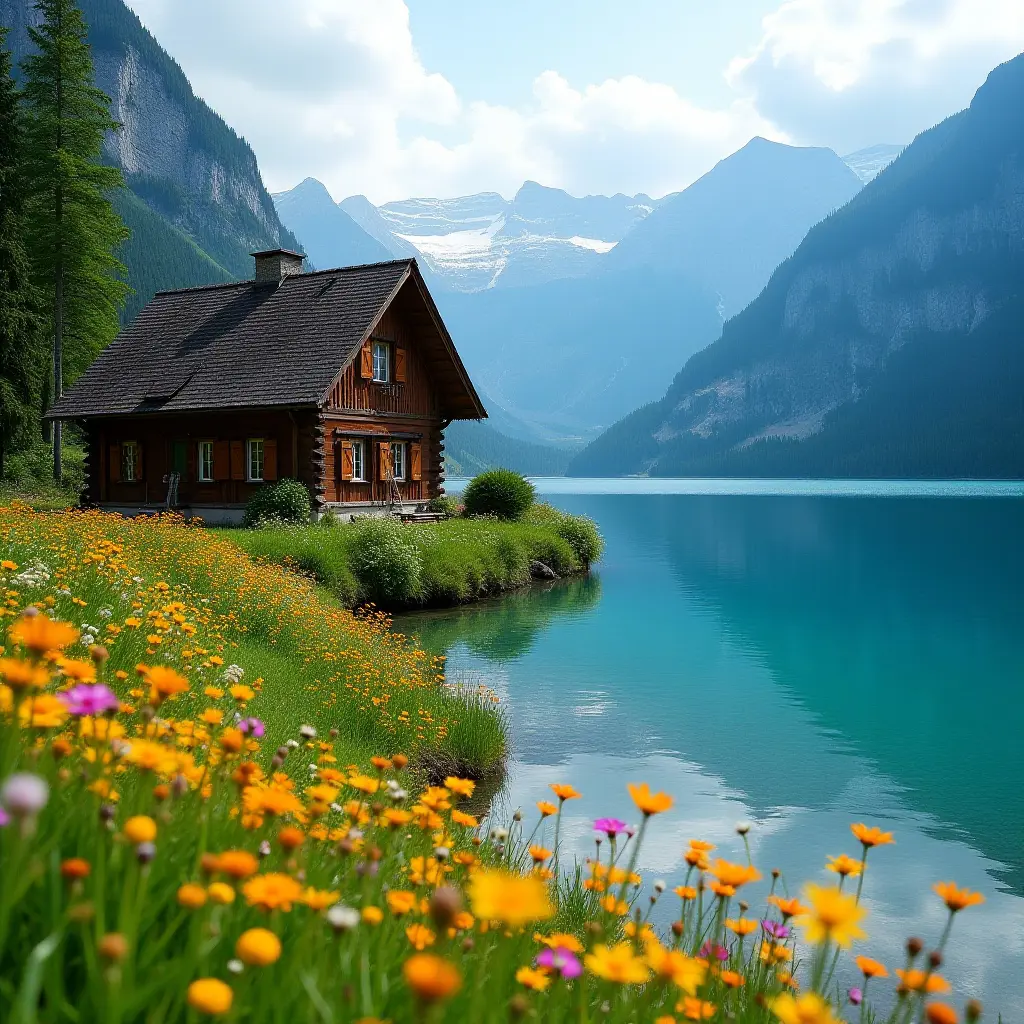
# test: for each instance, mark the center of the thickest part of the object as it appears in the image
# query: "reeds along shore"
(184, 837)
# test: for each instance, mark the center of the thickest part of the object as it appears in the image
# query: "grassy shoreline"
(313, 662)
(428, 565)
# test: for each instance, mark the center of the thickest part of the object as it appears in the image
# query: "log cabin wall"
(362, 411)
(425, 433)
(172, 443)
(416, 396)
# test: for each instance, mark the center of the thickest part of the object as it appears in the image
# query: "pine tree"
(20, 334)
(74, 230)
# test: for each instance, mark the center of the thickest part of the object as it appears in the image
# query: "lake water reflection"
(801, 660)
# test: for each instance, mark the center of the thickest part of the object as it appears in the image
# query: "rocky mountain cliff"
(178, 156)
(890, 343)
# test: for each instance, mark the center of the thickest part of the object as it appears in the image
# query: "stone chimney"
(274, 265)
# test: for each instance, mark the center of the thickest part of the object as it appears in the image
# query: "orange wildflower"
(40, 633)
(647, 802)
(872, 836)
(956, 898)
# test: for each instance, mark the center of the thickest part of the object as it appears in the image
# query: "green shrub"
(287, 501)
(445, 504)
(581, 534)
(29, 472)
(385, 560)
(498, 492)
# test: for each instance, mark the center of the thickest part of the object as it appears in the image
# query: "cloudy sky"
(399, 98)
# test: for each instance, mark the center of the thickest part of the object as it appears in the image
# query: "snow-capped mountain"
(486, 241)
(867, 163)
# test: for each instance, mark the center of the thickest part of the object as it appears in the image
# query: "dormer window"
(381, 362)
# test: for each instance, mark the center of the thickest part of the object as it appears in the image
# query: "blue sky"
(400, 98)
(686, 43)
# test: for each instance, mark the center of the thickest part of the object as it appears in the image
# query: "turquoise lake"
(800, 655)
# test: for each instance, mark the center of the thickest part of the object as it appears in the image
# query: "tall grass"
(456, 560)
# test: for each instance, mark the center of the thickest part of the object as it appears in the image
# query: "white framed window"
(130, 461)
(398, 459)
(381, 362)
(254, 460)
(206, 462)
(358, 462)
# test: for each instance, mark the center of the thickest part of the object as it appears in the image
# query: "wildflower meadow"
(222, 795)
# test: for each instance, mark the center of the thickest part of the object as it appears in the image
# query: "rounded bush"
(581, 534)
(446, 505)
(287, 501)
(498, 492)
(386, 561)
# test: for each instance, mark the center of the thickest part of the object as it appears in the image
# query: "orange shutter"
(221, 460)
(347, 464)
(237, 460)
(415, 462)
(366, 362)
(270, 459)
(115, 463)
(400, 371)
(385, 459)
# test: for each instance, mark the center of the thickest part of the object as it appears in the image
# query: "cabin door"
(179, 457)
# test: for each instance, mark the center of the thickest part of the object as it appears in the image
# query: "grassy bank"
(427, 564)
(158, 590)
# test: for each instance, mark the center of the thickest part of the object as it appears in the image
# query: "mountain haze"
(573, 355)
(731, 228)
(891, 343)
(330, 236)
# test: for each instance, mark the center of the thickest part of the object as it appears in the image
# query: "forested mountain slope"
(177, 155)
(890, 344)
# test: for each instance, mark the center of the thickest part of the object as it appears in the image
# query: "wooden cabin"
(342, 379)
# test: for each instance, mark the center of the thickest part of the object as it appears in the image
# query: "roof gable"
(246, 345)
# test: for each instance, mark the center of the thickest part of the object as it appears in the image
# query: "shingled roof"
(252, 345)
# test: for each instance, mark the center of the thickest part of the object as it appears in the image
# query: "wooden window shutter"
(385, 459)
(115, 463)
(347, 464)
(140, 469)
(366, 362)
(270, 459)
(191, 462)
(221, 460)
(237, 460)
(415, 462)
(400, 363)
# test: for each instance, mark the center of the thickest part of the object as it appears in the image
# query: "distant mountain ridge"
(331, 238)
(868, 163)
(890, 343)
(573, 355)
(473, 243)
(732, 227)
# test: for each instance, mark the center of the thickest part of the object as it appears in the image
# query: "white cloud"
(335, 89)
(849, 73)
